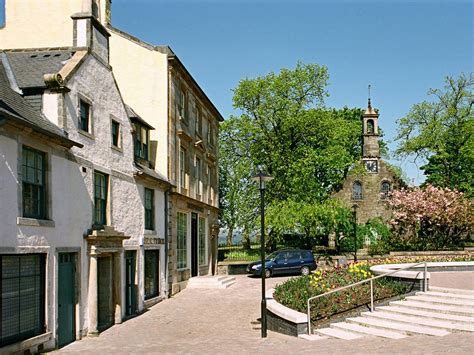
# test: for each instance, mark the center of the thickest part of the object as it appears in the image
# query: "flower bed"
(295, 292)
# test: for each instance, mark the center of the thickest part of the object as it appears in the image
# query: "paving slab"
(225, 321)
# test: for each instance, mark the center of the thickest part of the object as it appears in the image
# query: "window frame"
(384, 193)
(141, 142)
(38, 325)
(183, 104)
(117, 141)
(198, 176)
(41, 205)
(357, 195)
(101, 200)
(149, 208)
(210, 133)
(198, 122)
(154, 277)
(202, 241)
(181, 241)
(182, 169)
(80, 125)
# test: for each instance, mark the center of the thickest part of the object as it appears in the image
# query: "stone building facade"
(94, 229)
(134, 193)
(367, 190)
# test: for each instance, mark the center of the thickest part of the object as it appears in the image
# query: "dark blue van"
(286, 261)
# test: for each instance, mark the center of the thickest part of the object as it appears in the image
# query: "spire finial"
(369, 105)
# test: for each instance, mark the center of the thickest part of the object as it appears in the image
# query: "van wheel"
(268, 273)
(305, 270)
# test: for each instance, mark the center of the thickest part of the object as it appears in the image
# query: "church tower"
(367, 191)
(370, 137)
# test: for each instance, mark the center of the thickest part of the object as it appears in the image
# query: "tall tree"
(441, 134)
(284, 126)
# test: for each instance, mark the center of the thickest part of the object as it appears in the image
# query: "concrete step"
(211, 282)
(446, 295)
(312, 337)
(452, 290)
(437, 300)
(359, 329)
(417, 320)
(337, 333)
(427, 314)
(404, 328)
(440, 308)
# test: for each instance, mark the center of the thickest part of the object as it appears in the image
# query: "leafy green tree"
(308, 149)
(237, 193)
(441, 133)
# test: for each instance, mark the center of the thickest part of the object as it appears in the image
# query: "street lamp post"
(354, 216)
(262, 178)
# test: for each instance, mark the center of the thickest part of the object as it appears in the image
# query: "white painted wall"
(38, 23)
(144, 86)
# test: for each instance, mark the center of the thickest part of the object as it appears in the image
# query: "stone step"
(427, 314)
(440, 308)
(356, 328)
(338, 333)
(417, 320)
(437, 300)
(409, 329)
(312, 337)
(211, 282)
(446, 295)
(452, 290)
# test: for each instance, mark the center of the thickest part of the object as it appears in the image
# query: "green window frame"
(149, 209)
(115, 130)
(33, 183)
(100, 198)
(181, 245)
(141, 140)
(22, 297)
(84, 115)
(152, 285)
(202, 240)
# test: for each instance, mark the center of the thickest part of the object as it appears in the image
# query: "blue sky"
(402, 48)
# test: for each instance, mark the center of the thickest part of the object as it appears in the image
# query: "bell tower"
(370, 138)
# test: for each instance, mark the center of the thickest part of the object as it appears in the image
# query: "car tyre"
(268, 273)
(305, 270)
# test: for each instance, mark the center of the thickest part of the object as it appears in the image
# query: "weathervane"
(369, 105)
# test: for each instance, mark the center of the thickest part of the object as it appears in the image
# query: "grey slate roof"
(135, 117)
(152, 173)
(14, 106)
(30, 66)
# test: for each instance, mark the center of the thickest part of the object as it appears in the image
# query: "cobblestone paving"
(199, 321)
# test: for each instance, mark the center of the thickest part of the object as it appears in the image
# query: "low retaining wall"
(290, 322)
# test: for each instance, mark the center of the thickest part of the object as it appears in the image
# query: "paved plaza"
(224, 321)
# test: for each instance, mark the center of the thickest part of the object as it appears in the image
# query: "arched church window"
(384, 189)
(370, 126)
(357, 191)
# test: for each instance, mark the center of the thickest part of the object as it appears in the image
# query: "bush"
(295, 292)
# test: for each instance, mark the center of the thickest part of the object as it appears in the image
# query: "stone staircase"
(437, 312)
(220, 282)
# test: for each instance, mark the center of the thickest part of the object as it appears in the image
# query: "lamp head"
(262, 178)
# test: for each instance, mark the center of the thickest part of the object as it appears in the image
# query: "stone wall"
(372, 204)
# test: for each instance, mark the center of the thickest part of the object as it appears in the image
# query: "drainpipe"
(167, 192)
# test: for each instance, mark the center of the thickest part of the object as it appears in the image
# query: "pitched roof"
(29, 66)
(14, 107)
(135, 117)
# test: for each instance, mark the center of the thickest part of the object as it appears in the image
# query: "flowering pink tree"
(431, 217)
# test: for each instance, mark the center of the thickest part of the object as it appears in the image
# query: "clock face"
(371, 166)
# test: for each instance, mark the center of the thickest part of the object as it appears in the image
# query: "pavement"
(225, 321)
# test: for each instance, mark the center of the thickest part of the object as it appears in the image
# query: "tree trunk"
(230, 233)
